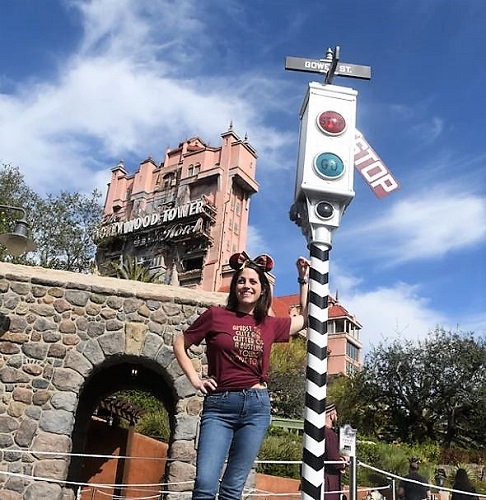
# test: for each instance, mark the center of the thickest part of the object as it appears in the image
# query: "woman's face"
(248, 290)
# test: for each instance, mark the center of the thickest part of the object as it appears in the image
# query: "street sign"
(347, 441)
(324, 65)
(372, 168)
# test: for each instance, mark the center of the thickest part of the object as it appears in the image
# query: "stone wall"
(56, 330)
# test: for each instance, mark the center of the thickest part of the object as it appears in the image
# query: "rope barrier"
(93, 485)
(135, 486)
(85, 455)
(119, 457)
(119, 497)
(434, 486)
(100, 486)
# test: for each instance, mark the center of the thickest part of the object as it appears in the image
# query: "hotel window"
(238, 208)
(192, 264)
(236, 228)
(169, 181)
(352, 351)
(190, 171)
(197, 169)
(339, 326)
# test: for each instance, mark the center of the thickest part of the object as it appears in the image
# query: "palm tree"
(130, 269)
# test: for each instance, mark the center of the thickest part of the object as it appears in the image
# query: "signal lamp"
(324, 210)
(331, 122)
(329, 165)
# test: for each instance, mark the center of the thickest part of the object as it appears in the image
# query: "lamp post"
(17, 242)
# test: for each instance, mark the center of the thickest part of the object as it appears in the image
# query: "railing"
(289, 424)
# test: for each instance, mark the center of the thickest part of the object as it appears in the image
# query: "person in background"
(410, 490)
(332, 472)
(236, 407)
(462, 483)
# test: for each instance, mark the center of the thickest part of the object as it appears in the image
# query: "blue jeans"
(233, 425)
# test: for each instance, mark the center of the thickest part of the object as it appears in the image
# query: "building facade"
(344, 345)
(183, 218)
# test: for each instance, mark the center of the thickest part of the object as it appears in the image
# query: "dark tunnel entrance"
(94, 437)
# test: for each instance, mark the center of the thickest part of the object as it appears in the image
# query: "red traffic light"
(331, 122)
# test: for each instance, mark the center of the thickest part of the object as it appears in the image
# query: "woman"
(236, 409)
(462, 483)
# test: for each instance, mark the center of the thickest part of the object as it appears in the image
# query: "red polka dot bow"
(239, 260)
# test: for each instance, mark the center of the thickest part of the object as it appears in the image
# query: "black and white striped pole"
(316, 374)
(323, 190)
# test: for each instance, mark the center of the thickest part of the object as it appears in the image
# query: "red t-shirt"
(238, 349)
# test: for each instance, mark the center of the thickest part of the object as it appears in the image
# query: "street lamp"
(17, 242)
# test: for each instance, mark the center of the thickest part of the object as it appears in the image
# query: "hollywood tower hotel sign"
(183, 218)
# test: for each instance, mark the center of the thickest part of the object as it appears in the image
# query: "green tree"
(287, 378)
(64, 230)
(62, 226)
(15, 192)
(429, 390)
(155, 421)
(355, 400)
(457, 364)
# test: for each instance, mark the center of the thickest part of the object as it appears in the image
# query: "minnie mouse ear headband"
(239, 260)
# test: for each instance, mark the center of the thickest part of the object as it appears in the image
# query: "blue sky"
(84, 84)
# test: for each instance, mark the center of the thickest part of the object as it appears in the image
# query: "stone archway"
(119, 372)
(60, 331)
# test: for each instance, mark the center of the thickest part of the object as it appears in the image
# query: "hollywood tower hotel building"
(183, 218)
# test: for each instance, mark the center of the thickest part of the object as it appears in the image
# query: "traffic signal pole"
(312, 481)
(323, 190)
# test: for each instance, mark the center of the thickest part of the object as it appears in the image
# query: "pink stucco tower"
(183, 218)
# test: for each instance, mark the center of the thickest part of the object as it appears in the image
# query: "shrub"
(278, 447)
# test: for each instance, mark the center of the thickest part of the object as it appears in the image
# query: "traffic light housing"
(325, 164)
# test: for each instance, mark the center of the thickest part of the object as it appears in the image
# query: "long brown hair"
(264, 301)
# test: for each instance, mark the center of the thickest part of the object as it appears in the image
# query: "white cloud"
(472, 322)
(256, 243)
(429, 130)
(428, 225)
(398, 311)
(391, 313)
(124, 91)
(139, 30)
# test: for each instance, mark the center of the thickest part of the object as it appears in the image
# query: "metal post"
(353, 479)
(393, 487)
(316, 375)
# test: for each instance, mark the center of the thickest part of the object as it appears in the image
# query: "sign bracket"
(333, 56)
